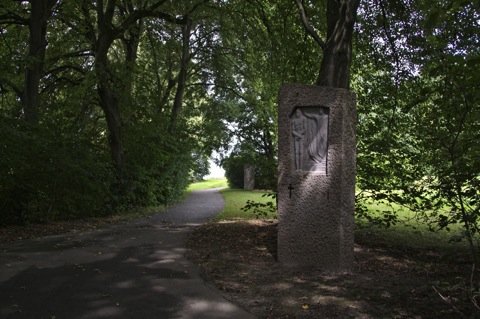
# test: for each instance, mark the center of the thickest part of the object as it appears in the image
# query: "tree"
(337, 47)
(96, 99)
(158, 84)
(111, 26)
(419, 125)
(36, 20)
(264, 48)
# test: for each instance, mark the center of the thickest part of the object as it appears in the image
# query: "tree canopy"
(111, 104)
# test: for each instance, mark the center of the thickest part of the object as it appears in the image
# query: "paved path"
(133, 270)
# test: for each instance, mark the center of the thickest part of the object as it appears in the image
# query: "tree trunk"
(37, 43)
(337, 52)
(131, 50)
(182, 76)
(109, 104)
(163, 92)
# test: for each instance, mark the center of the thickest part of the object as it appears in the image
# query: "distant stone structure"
(316, 184)
(248, 176)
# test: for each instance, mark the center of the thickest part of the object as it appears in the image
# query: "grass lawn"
(406, 237)
(236, 199)
(207, 184)
(408, 233)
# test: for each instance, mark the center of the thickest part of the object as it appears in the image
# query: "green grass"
(408, 234)
(207, 184)
(236, 199)
(409, 231)
(416, 236)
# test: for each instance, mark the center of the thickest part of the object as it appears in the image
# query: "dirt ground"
(386, 282)
(14, 233)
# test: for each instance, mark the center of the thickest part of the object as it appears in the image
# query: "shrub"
(44, 177)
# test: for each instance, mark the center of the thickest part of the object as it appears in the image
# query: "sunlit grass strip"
(207, 184)
(409, 233)
(419, 238)
(411, 230)
(236, 199)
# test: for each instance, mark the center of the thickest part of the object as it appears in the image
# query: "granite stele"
(316, 177)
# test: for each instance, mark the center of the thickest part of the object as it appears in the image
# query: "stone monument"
(316, 177)
(248, 176)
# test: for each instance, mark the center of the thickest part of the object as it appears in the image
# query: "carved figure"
(317, 136)
(298, 132)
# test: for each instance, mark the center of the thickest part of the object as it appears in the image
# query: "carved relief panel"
(309, 127)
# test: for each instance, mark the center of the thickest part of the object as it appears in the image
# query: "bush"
(45, 178)
(233, 166)
(159, 166)
(266, 174)
(265, 171)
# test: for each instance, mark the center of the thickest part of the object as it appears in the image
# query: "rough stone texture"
(248, 176)
(316, 217)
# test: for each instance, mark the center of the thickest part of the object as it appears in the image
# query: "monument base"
(316, 203)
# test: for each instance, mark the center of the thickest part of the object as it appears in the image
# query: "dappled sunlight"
(383, 283)
(104, 287)
(282, 286)
(208, 308)
(159, 288)
(313, 298)
(132, 260)
(358, 249)
(117, 273)
(167, 255)
(126, 284)
(160, 262)
(338, 302)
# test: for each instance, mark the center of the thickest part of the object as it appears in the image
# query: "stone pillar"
(248, 176)
(316, 177)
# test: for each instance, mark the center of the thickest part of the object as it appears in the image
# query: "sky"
(215, 171)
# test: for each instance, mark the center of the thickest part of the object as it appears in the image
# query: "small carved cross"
(290, 188)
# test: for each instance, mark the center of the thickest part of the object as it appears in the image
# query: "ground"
(385, 282)
(239, 258)
(14, 233)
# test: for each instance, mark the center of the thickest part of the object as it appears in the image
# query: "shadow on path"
(134, 270)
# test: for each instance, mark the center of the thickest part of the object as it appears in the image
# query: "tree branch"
(390, 39)
(12, 18)
(148, 13)
(194, 8)
(308, 26)
(90, 30)
(10, 84)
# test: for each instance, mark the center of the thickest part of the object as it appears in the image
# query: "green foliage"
(272, 48)
(200, 167)
(367, 213)
(207, 184)
(235, 199)
(415, 73)
(159, 166)
(234, 166)
(265, 171)
(262, 209)
(418, 128)
(45, 178)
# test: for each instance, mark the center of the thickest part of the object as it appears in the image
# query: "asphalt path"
(132, 270)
